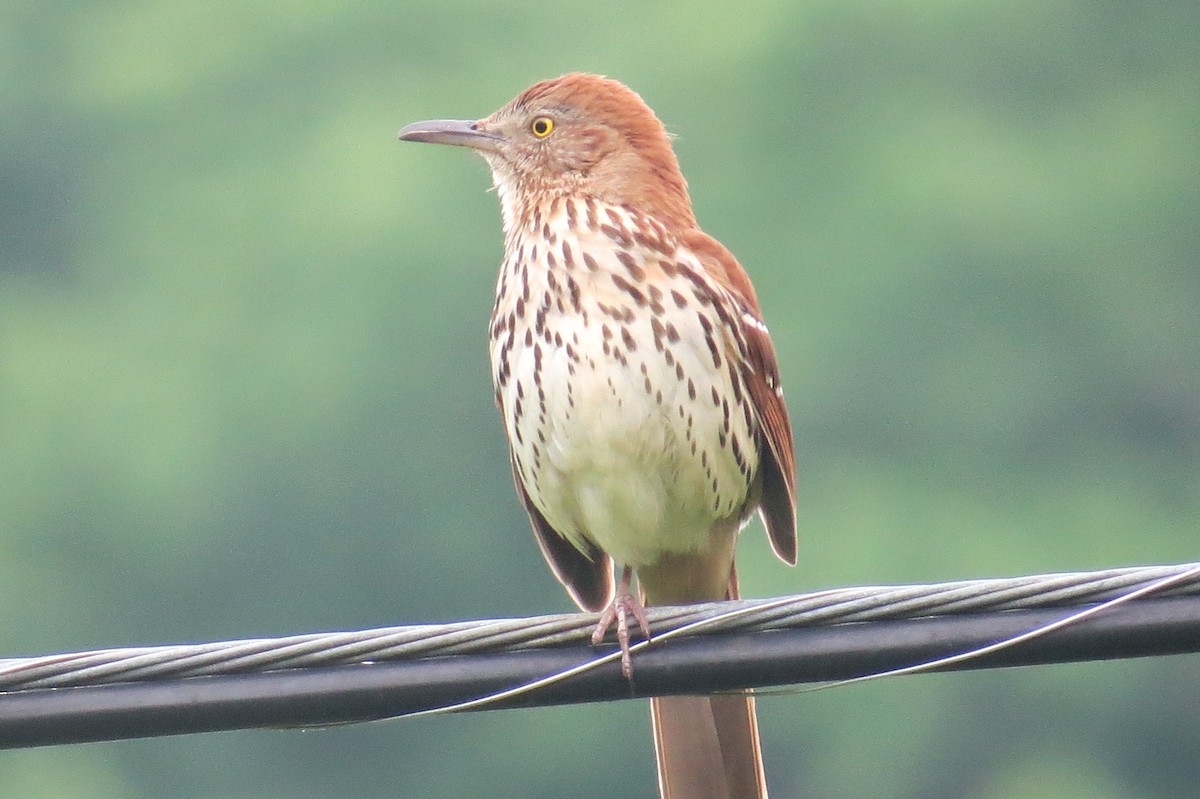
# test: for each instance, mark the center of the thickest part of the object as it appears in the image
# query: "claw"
(624, 605)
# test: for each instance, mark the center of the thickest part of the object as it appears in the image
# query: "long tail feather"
(707, 747)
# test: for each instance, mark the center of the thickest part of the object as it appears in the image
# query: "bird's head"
(579, 135)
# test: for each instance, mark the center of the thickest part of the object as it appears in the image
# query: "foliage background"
(244, 392)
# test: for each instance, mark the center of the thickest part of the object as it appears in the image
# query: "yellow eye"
(541, 127)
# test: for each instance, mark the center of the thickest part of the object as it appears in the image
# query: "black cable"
(713, 662)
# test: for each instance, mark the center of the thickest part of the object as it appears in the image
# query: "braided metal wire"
(822, 608)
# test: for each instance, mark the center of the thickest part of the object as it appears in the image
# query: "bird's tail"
(707, 747)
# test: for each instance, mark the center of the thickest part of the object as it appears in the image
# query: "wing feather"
(760, 372)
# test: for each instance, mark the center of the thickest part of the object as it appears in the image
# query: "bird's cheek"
(575, 160)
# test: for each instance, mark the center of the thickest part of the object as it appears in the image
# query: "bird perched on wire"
(638, 385)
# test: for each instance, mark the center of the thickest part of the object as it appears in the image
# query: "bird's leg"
(624, 605)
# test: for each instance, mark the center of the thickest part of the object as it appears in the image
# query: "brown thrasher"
(638, 385)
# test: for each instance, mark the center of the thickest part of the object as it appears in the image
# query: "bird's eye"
(541, 127)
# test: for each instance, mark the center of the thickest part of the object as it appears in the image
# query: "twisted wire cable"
(399, 644)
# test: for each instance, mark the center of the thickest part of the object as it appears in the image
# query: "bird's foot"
(623, 606)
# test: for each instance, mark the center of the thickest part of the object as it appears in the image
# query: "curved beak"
(459, 132)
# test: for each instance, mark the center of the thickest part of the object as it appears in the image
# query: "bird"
(638, 385)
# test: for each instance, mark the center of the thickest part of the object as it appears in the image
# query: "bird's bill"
(459, 132)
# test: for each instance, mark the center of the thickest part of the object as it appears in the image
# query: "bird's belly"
(616, 449)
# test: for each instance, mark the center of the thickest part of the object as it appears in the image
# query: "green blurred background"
(244, 386)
